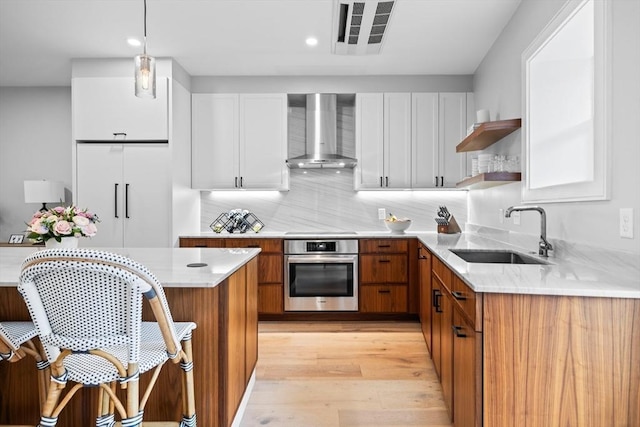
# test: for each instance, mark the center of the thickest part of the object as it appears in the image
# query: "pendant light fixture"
(145, 72)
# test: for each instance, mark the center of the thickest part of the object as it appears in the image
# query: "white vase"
(65, 242)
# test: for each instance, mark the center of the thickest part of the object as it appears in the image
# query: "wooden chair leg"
(188, 393)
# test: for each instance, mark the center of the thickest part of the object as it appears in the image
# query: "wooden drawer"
(384, 246)
(384, 269)
(442, 272)
(201, 242)
(271, 298)
(267, 245)
(383, 299)
(469, 302)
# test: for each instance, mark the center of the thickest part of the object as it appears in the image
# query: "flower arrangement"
(60, 222)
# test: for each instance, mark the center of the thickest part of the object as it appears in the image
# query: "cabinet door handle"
(457, 331)
(200, 246)
(380, 181)
(442, 181)
(126, 200)
(241, 182)
(436, 180)
(122, 134)
(459, 296)
(436, 300)
(386, 180)
(115, 200)
(235, 182)
(384, 260)
(253, 246)
(384, 291)
(384, 246)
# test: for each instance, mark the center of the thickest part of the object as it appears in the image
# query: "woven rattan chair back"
(87, 309)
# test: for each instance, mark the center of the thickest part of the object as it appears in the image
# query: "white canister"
(482, 116)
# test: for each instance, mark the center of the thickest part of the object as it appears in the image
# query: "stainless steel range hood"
(321, 135)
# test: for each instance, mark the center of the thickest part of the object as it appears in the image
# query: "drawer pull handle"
(436, 300)
(457, 331)
(384, 246)
(459, 296)
(201, 246)
(253, 246)
(384, 260)
(384, 291)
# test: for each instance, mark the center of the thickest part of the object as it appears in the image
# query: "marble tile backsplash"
(324, 200)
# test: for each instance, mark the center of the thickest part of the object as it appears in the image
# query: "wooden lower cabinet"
(383, 298)
(425, 293)
(270, 266)
(224, 355)
(534, 360)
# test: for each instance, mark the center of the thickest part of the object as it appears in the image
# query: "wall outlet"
(501, 215)
(516, 218)
(382, 213)
(626, 223)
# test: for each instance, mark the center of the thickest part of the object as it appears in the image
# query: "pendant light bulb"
(145, 68)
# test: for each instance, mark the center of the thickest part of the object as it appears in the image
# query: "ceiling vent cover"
(359, 26)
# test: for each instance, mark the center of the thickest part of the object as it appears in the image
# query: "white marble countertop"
(559, 277)
(169, 265)
(309, 234)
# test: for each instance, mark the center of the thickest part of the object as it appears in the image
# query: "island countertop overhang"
(169, 265)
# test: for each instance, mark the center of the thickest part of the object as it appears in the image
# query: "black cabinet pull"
(436, 180)
(436, 300)
(459, 296)
(380, 181)
(200, 246)
(384, 291)
(126, 200)
(384, 246)
(384, 260)
(117, 134)
(253, 246)
(235, 183)
(386, 180)
(115, 199)
(442, 181)
(241, 182)
(457, 331)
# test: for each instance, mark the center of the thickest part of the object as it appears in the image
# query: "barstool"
(15, 343)
(87, 309)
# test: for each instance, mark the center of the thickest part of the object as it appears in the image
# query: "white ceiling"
(38, 38)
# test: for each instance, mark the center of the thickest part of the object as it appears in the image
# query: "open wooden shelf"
(489, 179)
(488, 133)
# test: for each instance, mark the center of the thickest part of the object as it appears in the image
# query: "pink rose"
(81, 221)
(37, 227)
(90, 230)
(58, 209)
(62, 228)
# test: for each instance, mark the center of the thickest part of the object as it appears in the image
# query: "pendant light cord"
(145, 27)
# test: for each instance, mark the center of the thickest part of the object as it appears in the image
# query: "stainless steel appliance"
(321, 275)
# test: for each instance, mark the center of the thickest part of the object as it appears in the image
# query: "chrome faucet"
(544, 246)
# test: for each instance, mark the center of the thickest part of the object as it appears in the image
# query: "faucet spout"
(544, 246)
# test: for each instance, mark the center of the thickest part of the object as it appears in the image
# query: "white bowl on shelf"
(398, 226)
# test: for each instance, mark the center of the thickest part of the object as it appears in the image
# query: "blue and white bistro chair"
(87, 309)
(15, 343)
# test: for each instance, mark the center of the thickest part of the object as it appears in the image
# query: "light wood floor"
(344, 374)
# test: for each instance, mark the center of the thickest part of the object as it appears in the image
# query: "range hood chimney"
(321, 135)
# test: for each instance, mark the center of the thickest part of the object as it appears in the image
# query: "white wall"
(35, 143)
(498, 86)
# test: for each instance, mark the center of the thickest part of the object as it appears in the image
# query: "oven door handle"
(316, 258)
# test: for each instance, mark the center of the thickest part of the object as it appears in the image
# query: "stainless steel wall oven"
(321, 275)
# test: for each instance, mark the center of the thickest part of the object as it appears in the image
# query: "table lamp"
(43, 192)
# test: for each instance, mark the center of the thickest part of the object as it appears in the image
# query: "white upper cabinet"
(451, 130)
(106, 109)
(424, 139)
(439, 124)
(239, 141)
(383, 140)
(215, 140)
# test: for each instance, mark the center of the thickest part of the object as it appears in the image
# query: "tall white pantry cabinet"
(132, 161)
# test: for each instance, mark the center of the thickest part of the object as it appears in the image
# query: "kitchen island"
(221, 298)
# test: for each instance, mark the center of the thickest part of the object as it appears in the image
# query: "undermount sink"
(495, 256)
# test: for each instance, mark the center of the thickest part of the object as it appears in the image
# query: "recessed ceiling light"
(134, 42)
(311, 41)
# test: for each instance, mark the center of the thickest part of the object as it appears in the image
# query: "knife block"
(452, 228)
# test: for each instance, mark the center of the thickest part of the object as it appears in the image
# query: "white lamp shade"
(43, 191)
